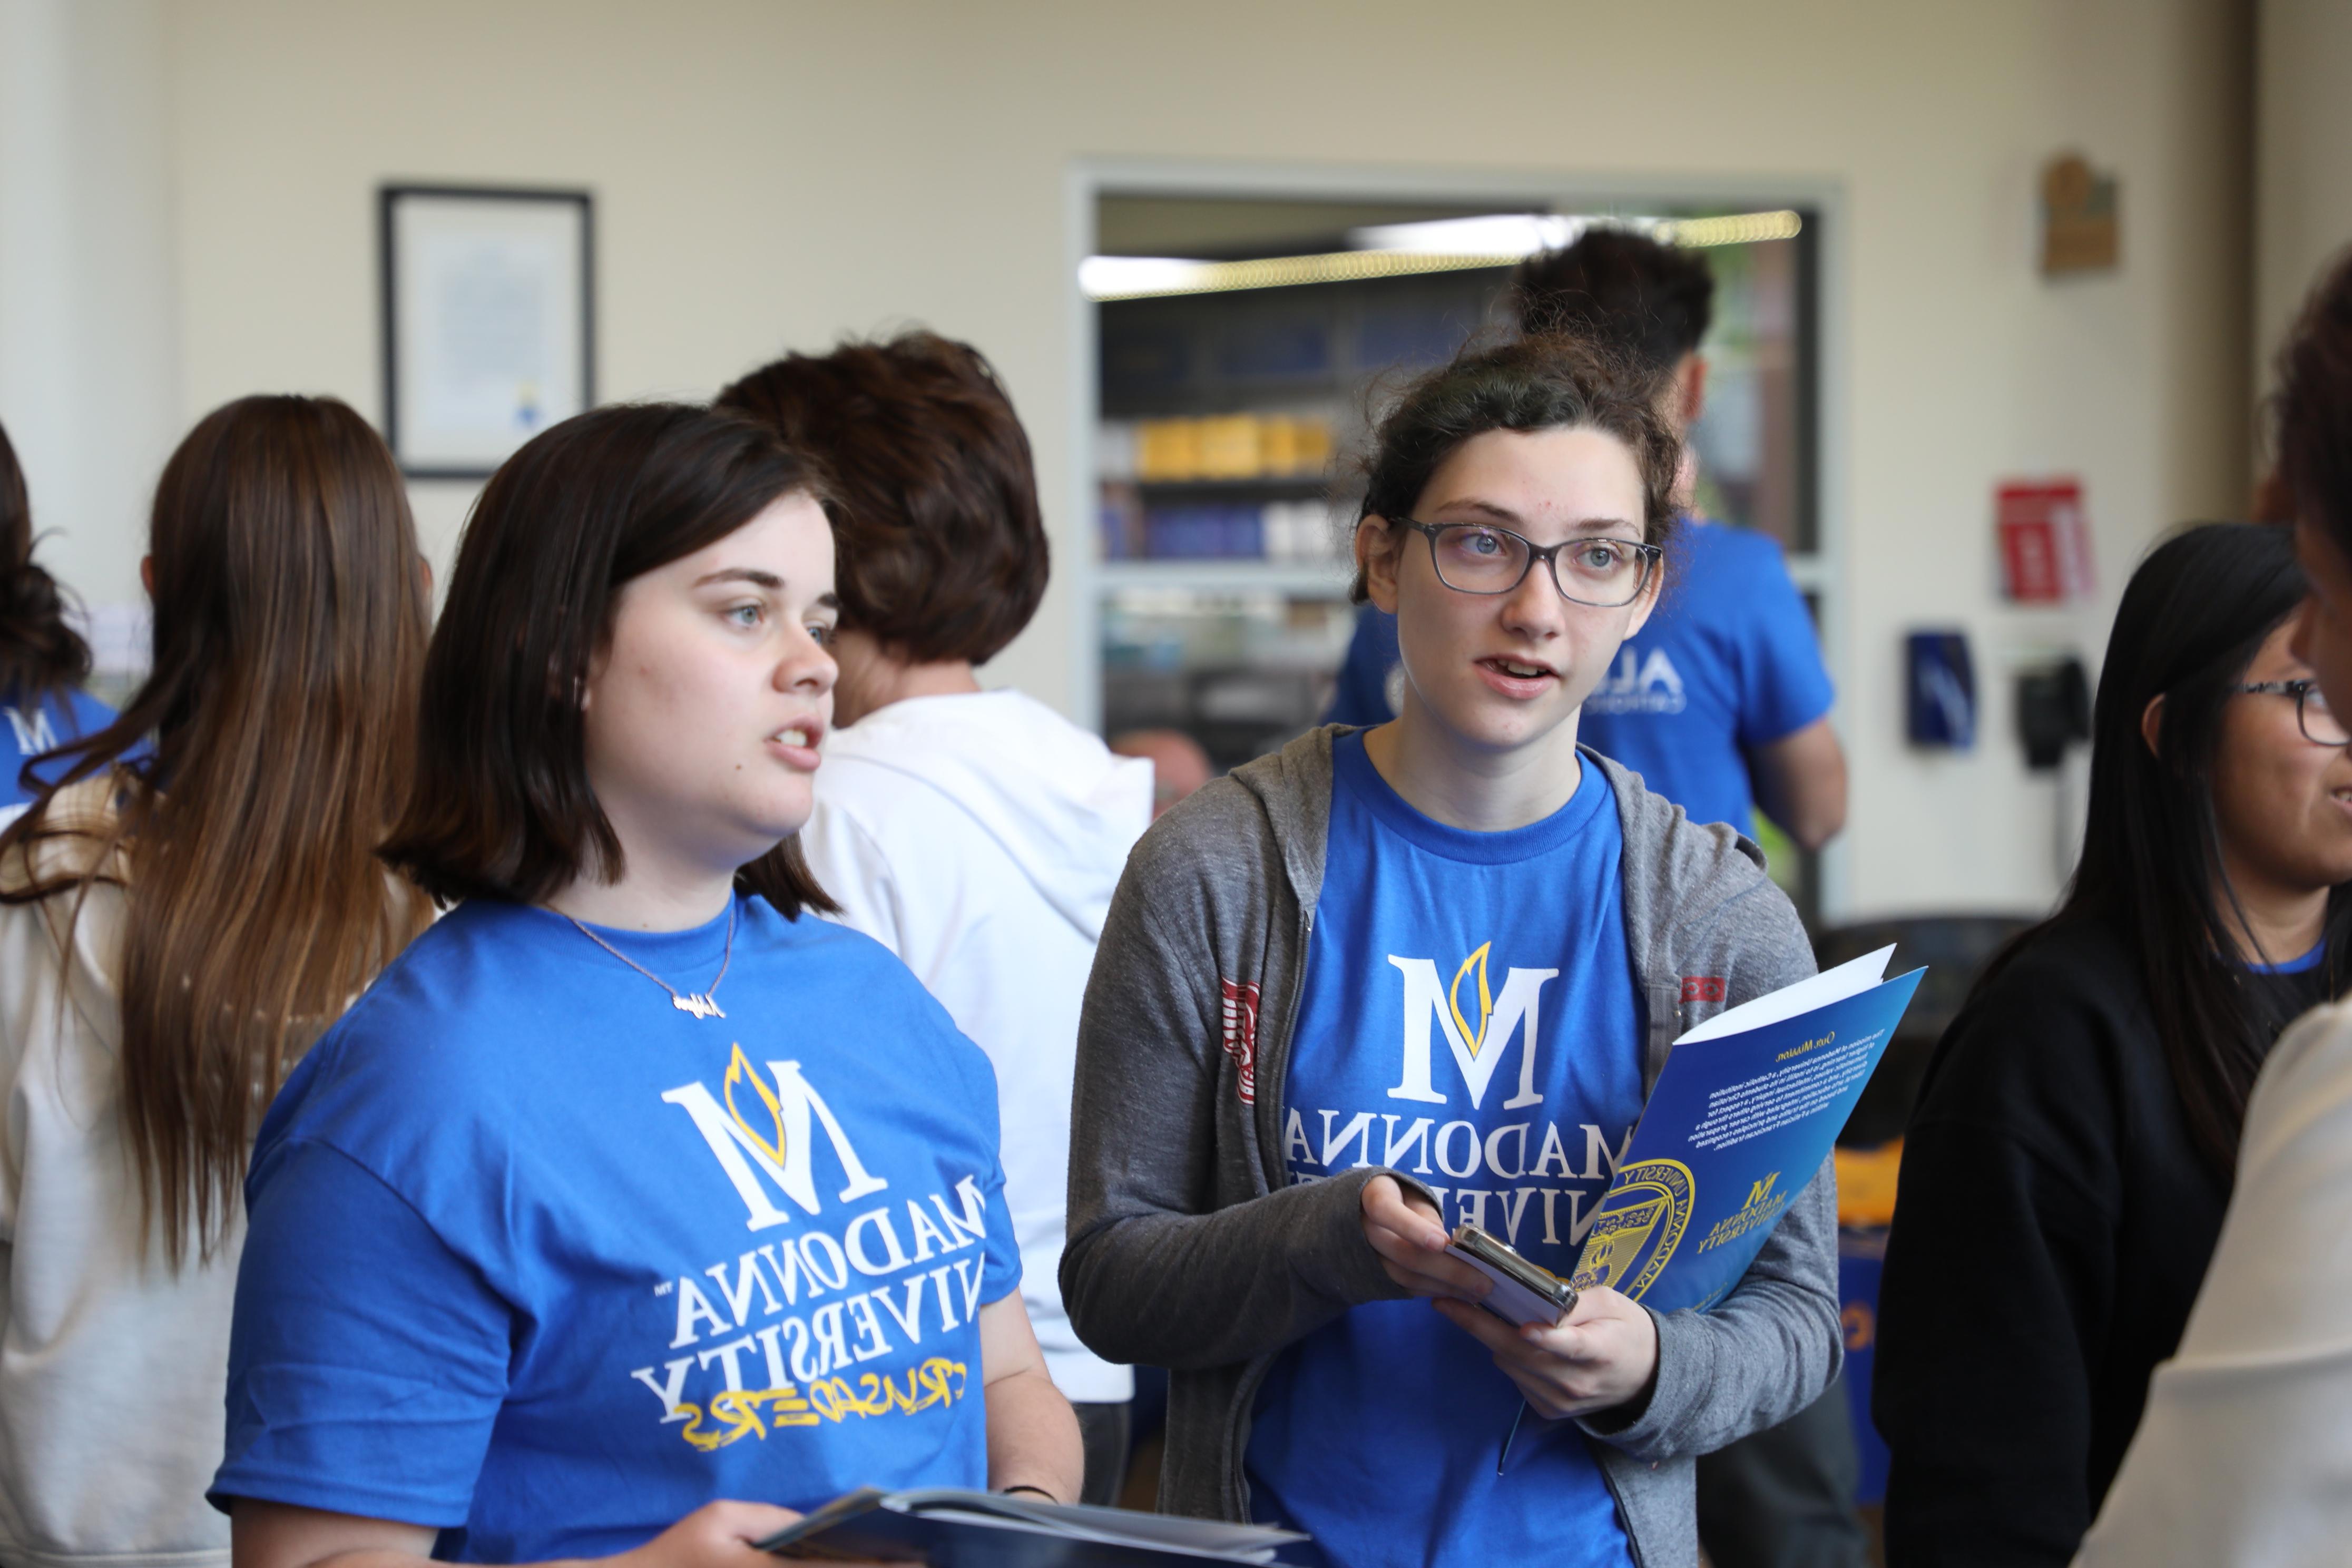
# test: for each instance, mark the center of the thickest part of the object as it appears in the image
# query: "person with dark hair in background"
(626, 1191)
(176, 926)
(1260, 1105)
(978, 835)
(1720, 703)
(43, 661)
(2243, 1450)
(2071, 1154)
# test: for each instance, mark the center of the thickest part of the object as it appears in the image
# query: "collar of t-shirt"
(1353, 771)
(2308, 962)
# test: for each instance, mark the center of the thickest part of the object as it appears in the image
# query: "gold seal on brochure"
(1636, 1227)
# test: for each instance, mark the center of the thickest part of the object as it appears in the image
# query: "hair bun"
(39, 648)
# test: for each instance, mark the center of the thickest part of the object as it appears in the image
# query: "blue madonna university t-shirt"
(1469, 1018)
(537, 1258)
(1729, 661)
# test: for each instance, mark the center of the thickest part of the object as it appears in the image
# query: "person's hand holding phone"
(1599, 1356)
(1404, 1229)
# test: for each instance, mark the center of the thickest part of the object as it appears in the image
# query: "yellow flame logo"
(740, 1069)
(1476, 1037)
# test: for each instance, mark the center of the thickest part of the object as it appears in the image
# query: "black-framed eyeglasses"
(1480, 558)
(2311, 715)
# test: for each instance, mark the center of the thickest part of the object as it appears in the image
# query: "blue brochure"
(1740, 1121)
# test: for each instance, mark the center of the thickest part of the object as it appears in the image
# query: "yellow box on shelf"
(1168, 449)
(1279, 444)
(1230, 448)
(1309, 446)
(1227, 447)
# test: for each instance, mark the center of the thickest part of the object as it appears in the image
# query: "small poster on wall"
(2045, 541)
(488, 317)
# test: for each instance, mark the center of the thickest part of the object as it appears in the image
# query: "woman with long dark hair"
(2071, 1153)
(43, 660)
(2244, 1451)
(176, 925)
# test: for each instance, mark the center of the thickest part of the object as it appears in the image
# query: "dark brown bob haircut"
(1528, 384)
(942, 548)
(2314, 409)
(502, 806)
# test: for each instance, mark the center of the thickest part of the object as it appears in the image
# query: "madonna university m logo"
(1477, 1050)
(34, 734)
(775, 1144)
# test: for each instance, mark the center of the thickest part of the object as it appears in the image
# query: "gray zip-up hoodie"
(1186, 1249)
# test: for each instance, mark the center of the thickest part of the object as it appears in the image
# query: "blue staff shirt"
(1469, 1018)
(1729, 662)
(539, 1259)
(29, 727)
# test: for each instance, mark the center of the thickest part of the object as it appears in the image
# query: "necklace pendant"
(700, 1007)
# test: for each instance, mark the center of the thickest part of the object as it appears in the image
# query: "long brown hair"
(40, 652)
(290, 627)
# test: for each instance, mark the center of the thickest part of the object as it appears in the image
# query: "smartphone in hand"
(1524, 1292)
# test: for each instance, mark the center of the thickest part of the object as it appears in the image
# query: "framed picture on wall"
(489, 322)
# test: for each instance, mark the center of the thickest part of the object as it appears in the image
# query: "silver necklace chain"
(699, 1004)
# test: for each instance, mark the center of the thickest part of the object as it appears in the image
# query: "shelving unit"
(1309, 578)
(1223, 582)
(1194, 627)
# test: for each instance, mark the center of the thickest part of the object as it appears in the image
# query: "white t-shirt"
(2244, 1456)
(979, 837)
(113, 1369)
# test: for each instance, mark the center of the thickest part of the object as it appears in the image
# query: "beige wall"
(2303, 158)
(771, 175)
(88, 338)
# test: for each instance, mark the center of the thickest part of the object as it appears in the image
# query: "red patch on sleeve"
(1240, 1025)
(1701, 988)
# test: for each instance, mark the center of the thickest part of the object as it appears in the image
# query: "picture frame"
(488, 319)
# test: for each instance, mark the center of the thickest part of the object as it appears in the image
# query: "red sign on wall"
(2045, 543)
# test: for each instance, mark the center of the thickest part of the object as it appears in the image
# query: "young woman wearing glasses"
(2242, 1453)
(1385, 982)
(2072, 1149)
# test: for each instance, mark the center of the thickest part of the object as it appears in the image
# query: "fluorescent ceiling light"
(1731, 229)
(1134, 277)
(1504, 234)
(1393, 250)
(1148, 277)
(1524, 234)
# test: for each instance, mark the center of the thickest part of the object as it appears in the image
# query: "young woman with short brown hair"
(976, 833)
(629, 1190)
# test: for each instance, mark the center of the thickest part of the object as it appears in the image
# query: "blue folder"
(1740, 1121)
